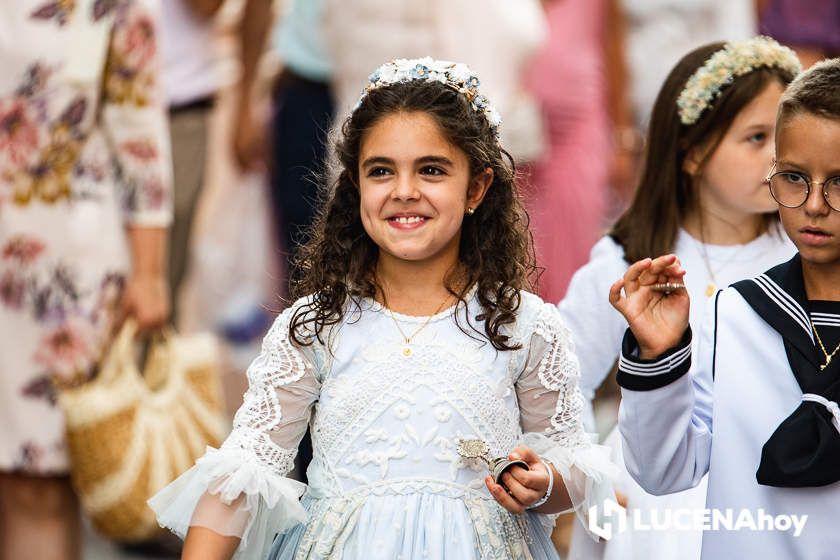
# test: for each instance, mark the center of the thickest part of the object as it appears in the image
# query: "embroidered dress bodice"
(386, 425)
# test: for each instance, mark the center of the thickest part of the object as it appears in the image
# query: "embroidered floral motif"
(18, 132)
(129, 76)
(102, 8)
(71, 341)
(59, 10)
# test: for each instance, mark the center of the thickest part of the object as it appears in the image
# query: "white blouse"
(385, 428)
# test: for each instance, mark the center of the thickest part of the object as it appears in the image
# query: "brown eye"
(792, 178)
(379, 172)
(432, 170)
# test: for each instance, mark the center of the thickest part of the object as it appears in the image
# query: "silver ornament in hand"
(478, 449)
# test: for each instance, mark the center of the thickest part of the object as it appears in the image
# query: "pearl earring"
(470, 211)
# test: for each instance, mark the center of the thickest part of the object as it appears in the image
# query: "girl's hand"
(658, 321)
(146, 299)
(521, 488)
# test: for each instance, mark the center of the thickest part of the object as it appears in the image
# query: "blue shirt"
(300, 41)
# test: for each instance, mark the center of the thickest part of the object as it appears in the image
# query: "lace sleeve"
(551, 407)
(241, 489)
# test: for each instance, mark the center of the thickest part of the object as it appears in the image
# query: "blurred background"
(253, 89)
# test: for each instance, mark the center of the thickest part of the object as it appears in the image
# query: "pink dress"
(566, 195)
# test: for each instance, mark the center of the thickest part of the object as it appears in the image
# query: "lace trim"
(279, 363)
(559, 371)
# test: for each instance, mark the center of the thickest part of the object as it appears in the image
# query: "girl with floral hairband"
(701, 196)
(415, 355)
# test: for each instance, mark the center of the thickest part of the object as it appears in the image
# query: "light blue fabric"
(300, 43)
(415, 526)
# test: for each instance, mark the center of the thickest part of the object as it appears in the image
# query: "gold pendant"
(710, 289)
(406, 352)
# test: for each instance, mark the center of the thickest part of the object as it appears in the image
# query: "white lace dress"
(386, 481)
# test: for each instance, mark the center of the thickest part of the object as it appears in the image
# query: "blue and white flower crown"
(455, 75)
(734, 59)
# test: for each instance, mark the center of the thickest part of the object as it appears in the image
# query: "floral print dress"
(83, 154)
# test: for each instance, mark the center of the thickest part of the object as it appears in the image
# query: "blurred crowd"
(222, 111)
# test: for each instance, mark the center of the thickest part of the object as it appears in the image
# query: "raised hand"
(657, 320)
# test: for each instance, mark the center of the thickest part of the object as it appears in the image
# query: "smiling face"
(731, 183)
(415, 187)
(809, 145)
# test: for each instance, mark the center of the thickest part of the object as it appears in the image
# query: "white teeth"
(408, 219)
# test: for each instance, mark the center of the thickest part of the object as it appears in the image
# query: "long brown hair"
(665, 194)
(336, 267)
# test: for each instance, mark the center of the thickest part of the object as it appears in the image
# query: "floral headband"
(734, 59)
(452, 74)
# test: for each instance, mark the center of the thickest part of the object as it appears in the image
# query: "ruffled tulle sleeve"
(551, 409)
(241, 489)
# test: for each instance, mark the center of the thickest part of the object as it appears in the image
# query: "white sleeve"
(595, 325)
(665, 416)
(550, 406)
(241, 489)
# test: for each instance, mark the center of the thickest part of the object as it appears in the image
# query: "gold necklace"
(711, 287)
(822, 347)
(406, 351)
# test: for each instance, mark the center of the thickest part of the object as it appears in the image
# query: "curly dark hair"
(337, 264)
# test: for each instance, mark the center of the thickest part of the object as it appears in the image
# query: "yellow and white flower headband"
(455, 75)
(734, 59)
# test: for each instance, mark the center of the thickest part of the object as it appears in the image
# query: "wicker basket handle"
(119, 357)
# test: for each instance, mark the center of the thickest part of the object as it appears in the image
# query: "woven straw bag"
(129, 435)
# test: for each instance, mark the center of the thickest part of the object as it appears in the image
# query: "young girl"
(702, 196)
(416, 336)
(765, 372)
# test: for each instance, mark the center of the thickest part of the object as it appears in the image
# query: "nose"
(405, 188)
(815, 204)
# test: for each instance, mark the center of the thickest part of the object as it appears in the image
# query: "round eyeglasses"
(791, 189)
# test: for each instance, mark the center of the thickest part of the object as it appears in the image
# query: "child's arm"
(551, 405)
(240, 492)
(666, 416)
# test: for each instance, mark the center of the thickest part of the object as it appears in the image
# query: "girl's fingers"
(522, 453)
(519, 491)
(500, 495)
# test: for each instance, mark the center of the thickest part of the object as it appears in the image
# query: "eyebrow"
(382, 160)
(801, 168)
(785, 163)
(758, 127)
